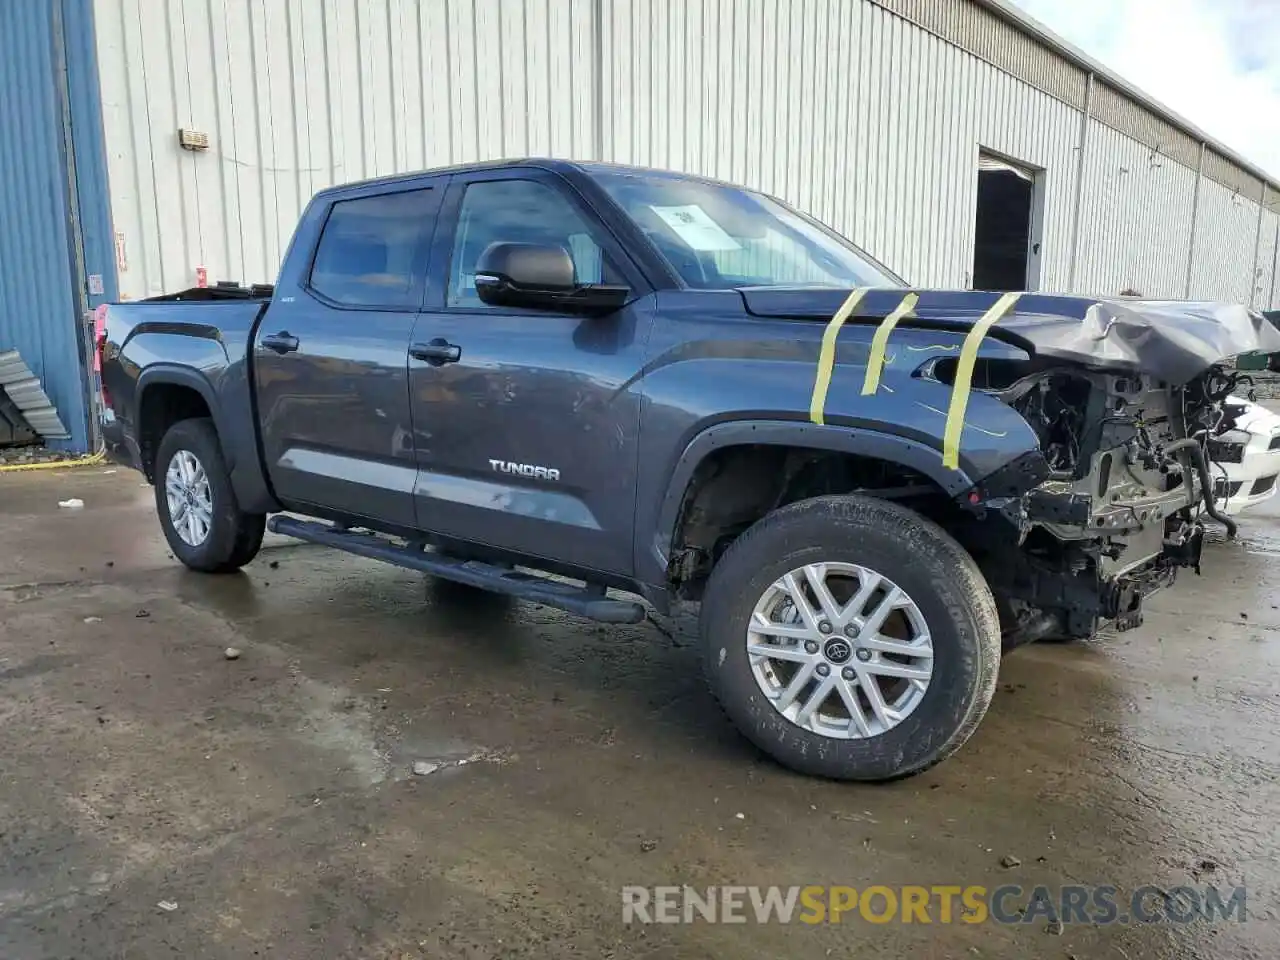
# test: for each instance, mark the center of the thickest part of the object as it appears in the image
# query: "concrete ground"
(269, 801)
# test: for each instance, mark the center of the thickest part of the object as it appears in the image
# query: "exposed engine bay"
(1125, 466)
(1074, 515)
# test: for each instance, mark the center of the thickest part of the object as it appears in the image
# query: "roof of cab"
(536, 163)
(539, 163)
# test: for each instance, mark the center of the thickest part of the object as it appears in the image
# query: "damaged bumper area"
(1116, 510)
(1124, 397)
(1109, 506)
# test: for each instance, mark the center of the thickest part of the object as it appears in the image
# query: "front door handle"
(439, 351)
(282, 342)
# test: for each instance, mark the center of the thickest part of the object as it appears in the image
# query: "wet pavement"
(157, 799)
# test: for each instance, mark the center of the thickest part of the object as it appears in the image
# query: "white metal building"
(220, 118)
(869, 114)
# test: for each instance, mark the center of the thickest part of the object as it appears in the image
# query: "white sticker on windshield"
(694, 227)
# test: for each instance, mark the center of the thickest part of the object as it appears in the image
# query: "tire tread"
(923, 538)
(236, 536)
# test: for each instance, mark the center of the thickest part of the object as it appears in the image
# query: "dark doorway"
(1002, 235)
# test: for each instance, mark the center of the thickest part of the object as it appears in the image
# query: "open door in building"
(1006, 250)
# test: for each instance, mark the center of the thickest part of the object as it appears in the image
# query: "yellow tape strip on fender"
(827, 355)
(875, 361)
(964, 377)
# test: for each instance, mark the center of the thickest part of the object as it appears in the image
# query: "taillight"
(100, 345)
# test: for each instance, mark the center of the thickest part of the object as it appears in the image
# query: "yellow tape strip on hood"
(875, 361)
(964, 377)
(827, 355)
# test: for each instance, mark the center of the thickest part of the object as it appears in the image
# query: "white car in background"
(1245, 461)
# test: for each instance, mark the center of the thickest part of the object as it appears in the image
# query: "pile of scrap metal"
(26, 414)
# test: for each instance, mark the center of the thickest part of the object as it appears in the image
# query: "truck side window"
(520, 211)
(372, 247)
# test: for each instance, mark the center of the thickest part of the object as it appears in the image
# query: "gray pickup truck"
(584, 384)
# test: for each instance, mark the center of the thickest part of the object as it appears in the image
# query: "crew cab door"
(526, 421)
(330, 355)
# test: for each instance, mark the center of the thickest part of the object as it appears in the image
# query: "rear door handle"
(439, 351)
(282, 342)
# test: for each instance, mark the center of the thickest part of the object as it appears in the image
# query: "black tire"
(234, 537)
(940, 578)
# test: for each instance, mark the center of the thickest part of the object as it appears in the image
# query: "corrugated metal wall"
(1225, 232)
(888, 156)
(51, 232)
(296, 95)
(1135, 218)
(1265, 269)
(866, 119)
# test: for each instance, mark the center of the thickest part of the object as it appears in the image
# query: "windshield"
(718, 237)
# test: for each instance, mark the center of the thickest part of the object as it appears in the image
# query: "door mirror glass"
(540, 276)
(522, 268)
(522, 243)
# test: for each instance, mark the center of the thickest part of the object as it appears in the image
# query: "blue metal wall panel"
(49, 83)
(89, 146)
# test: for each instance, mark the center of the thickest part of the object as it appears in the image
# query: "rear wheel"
(850, 638)
(199, 513)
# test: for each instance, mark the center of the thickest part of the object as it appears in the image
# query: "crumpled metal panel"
(21, 386)
(1170, 339)
(1173, 340)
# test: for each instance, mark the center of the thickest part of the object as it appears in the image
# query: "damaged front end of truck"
(1126, 402)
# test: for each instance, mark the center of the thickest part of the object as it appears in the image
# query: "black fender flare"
(176, 375)
(880, 444)
(236, 431)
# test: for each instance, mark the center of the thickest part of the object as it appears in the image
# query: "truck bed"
(221, 292)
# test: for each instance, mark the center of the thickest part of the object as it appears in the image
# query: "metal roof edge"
(1023, 21)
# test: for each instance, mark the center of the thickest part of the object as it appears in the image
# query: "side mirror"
(540, 277)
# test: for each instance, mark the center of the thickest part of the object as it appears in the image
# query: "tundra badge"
(525, 470)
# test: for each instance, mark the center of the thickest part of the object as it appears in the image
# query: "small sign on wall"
(189, 139)
(202, 276)
(95, 285)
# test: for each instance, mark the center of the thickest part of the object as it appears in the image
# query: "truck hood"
(1173, 340)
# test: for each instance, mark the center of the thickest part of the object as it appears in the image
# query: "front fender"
(655, 550)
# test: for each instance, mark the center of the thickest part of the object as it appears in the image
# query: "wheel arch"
(175, 387)
(872, 444)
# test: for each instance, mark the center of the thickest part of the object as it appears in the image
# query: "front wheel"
(848, 637)
(198, 509)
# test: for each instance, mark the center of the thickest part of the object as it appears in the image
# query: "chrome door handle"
(282, 342)
(439, 351)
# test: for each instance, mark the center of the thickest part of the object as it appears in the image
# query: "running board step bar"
(587, 601)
